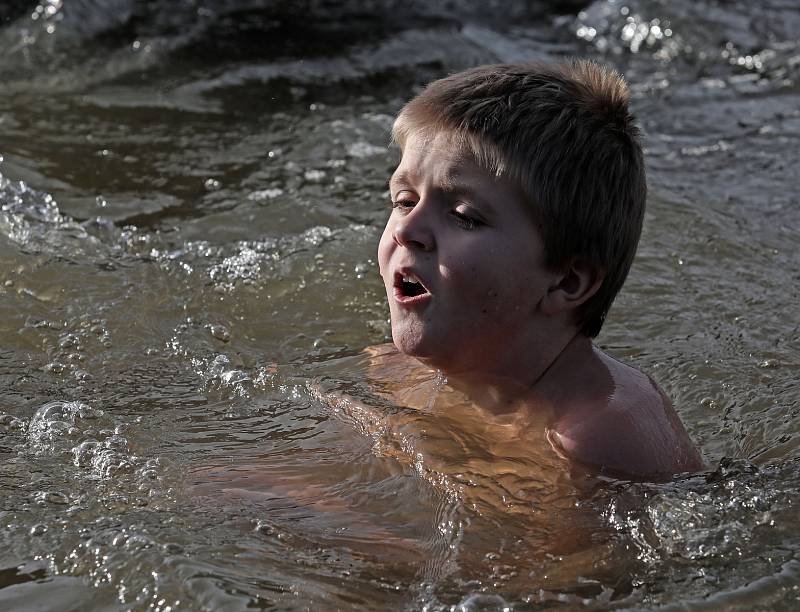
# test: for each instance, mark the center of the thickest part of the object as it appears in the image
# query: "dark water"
(192, 195)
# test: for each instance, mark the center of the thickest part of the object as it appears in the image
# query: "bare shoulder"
(623, 424)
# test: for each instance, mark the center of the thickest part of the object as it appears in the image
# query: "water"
(192, 195)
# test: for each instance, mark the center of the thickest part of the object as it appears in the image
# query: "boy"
(517, 209)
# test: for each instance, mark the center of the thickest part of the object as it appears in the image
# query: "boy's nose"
(413, 231)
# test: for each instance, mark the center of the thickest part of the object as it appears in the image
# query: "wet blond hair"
(565, 135)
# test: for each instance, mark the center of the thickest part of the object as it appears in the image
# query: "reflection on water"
(190, 202)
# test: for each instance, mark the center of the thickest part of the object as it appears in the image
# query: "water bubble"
(361, 270)
(265, 194)
(87, 412)
(17, 424)
(709, 402)
(84, 452)
(138, 542)
(100, 200)
(116, 442)
(233, 377)
(364, 149)
(314, 175)
(483, 601)
(52, 497)
(108, 463)
(38, 529)
(55, 367)
(52, 422)
(149, 475)
(171, 548)
(265, 528)
(220, 332)
(212, 184)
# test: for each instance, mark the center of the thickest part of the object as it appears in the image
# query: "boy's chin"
(410, 342)
(424, 347)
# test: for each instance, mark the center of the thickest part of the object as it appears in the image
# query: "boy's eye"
(401, 203)
(466, 221)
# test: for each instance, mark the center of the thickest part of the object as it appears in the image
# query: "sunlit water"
(191, 201)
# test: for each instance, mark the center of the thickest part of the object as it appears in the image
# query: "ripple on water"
(738, 511)
(94, 443)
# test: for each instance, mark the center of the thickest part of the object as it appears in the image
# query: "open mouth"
(408, 287)
(411, 288)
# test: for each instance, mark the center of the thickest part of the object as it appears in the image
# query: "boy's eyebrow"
(402, 179)
(451, 185)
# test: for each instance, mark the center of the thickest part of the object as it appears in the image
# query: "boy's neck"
(500, 388)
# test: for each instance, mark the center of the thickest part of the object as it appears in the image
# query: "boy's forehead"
(439, 142)
(442, 154)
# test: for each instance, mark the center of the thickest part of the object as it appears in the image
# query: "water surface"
(191, 198)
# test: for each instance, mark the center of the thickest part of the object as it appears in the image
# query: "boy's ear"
(579, 281)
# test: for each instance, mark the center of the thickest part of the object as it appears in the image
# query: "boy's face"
(462, 260)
